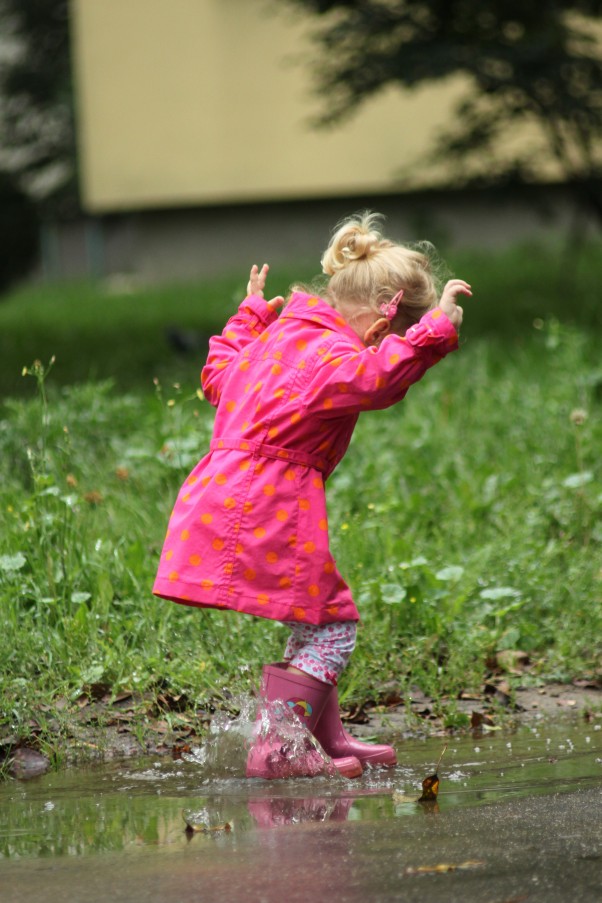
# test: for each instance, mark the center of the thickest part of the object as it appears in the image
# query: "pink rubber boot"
(269, 757)
(334, 739)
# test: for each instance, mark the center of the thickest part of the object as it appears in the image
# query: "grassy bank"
(467, 521)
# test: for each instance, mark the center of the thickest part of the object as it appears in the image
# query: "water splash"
(265, 739)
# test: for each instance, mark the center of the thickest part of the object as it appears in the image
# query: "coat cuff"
(258, 307)
(434, 328)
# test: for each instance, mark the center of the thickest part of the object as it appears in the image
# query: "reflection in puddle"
(119, 806)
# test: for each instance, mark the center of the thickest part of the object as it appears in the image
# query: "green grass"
(467, 521)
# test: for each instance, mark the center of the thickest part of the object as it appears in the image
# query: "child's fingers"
(457, 286)
(276, 302)
(257, 279)
(454, 288)
(252, 285)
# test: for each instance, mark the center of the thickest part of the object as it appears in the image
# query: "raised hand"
(449, 300)
(256, 285)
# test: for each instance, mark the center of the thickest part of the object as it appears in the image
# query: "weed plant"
(466, 519)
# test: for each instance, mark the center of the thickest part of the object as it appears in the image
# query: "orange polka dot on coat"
(218, 544)
(284, 582)
(184, 535)
(221, 478)
(206, 584)
(301, 344)
(206, 518)
(263, 599)
(173, 576)
(329, 567)
(249, 574)
(299, 614)
(309, 547)
(229, 502)
(323, 524)
(313, 589)
(269, 489)
(271, 557)
(195, 560)
(259, 532)
(304, 504)
(289, 474)
(281, 515)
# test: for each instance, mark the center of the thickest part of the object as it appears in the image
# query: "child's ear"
(377, 331)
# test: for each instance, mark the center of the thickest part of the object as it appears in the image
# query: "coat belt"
(263, 450)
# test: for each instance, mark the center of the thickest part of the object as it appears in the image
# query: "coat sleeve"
(347, 380)
(252, 317)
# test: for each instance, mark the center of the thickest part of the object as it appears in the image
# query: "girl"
(249, 530)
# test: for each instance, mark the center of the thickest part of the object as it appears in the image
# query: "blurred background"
(152, 151)
(174, 141)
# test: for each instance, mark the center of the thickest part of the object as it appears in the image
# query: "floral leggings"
(321, 651)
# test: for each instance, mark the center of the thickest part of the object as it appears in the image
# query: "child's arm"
(253, 315)
(350, 380)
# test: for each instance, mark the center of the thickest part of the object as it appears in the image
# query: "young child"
(249, 530)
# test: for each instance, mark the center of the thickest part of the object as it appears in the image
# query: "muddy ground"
(98, 726)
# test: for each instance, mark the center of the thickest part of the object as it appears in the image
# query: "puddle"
(99, 824)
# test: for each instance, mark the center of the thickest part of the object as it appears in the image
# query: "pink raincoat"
(249, 530)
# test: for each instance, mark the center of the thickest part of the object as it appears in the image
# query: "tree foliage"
(36, 102)
(528, 66)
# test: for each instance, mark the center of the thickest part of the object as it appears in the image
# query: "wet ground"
(518, 817)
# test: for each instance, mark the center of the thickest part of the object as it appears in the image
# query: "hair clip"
(389, 308)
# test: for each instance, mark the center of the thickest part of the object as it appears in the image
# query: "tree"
(37, 131)
(532, 68)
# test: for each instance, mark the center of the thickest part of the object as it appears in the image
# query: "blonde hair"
(367, 270)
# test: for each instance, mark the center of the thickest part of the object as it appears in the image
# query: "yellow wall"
(210, 101)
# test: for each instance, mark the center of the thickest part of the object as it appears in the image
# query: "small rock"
(27, 763)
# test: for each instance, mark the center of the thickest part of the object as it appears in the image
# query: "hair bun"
(354, 239)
